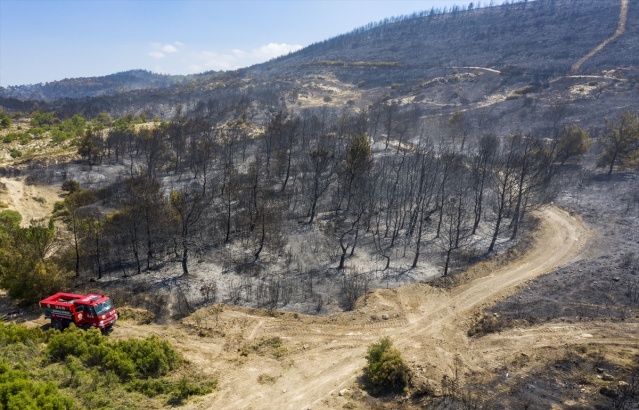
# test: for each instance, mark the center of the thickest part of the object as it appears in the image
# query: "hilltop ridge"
(526, 43)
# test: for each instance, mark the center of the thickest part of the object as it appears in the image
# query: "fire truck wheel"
(86, 326)
(56, 324)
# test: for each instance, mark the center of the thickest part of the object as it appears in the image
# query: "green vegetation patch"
(78, 369)
(270, 346)
(5, 120)
(386, 371)
(18, 390)
(128, 359)
(11, 333)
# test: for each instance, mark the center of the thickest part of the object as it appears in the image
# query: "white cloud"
(238, 53)
(216, 61)
(169, 49)
(192, 60)
(159, 50)
(237, 58)
(272, 50)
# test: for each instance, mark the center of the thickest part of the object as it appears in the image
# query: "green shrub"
(150, 357)
(272, 346)
(58, 136)
(73, 342)
(10, 137)
(43, 118)
(10, 218)
(28, 278)
(5, 120)
(116, 361)
(17, 391)
(96, 371)
(58, 207)
(14, 153)
(386, 371)
(37, 132)
(150, 387)
(11, 333)
(179, 390)
(70, 186)
(185, 388)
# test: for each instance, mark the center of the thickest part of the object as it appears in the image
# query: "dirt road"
(621, 28)
(320, 356)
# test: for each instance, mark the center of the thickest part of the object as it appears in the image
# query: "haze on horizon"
(49, 40)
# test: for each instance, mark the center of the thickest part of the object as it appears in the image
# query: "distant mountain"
(94, 86)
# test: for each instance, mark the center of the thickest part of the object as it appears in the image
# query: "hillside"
(437, 61)
(88, 87)
(537, 40)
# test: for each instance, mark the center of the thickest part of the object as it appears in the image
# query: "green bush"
(43, 118)
(58, 136)
(73, 342)
(271, 346)
(150, 387)
(14, 153)
(11, 333)
(70, 186)
(5, 120)
(179, 390)
(58, 206)
(150, 357)
(386, 371)
(96, 371)
(116, 361)
(10, 218)
(185, 388)
(12, 136)
(17, 391)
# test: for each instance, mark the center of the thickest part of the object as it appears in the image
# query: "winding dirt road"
(325, 355)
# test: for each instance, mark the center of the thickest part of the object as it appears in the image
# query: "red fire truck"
(82, 310)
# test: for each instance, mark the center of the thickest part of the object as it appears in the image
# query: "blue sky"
(47, 40)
